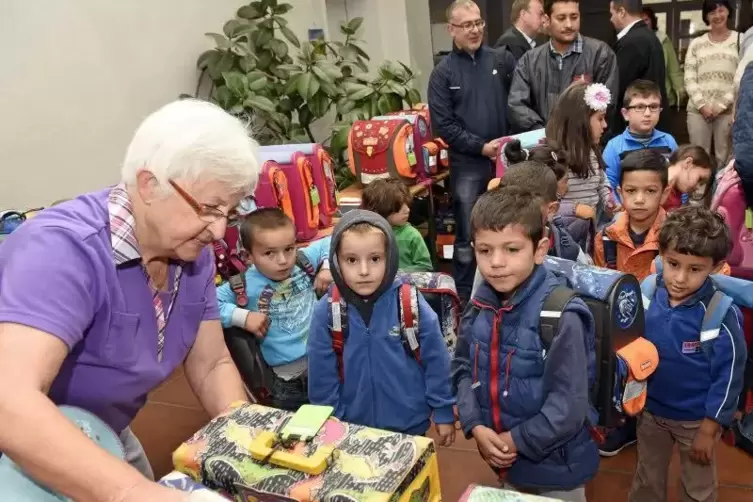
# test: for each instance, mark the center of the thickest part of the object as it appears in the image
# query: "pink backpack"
(729, 201)
(301, 189)
(324, 176)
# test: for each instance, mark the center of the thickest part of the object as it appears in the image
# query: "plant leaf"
(332, 71)
(303, 84)
(355, 23)
(279, 47)
(247, 63)
(250, 12)
(280, 20)
(223, 97)
(290, 36)
(304, 116)
(361, 94)
(383, 105)
(339, 140)
(413, 97)
(259, 103)
(321, 75)
(395, 102)
(208, 58)
(329, 89)
(361, 52)
(289, 67)
(262, 36)
(235, 82)
(264, 59)
(225, 63)
(397, 89)
(219, 40)
(318, 105)
(257, 81)
(283, 8)
(291, 86)
(313, 87)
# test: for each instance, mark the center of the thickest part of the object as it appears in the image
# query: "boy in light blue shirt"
(281, 284)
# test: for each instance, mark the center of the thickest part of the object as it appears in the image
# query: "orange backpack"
(272, 190)
(382, 149)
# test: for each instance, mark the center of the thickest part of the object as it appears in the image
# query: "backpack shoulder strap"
(648, 290)
(551, 311)
(302, 261)
(610, 253)
(408, 316)
(338, 313)
(716, 311)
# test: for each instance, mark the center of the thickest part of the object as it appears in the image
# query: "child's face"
(506, 258)
(642, 194)
(643, 113)
(684, 274)
(273, 252)
(362, 259)
(691, 177)
(399, 218)
(562, 186)
(598, 124)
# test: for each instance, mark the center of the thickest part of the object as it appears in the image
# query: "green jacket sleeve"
(674, 73)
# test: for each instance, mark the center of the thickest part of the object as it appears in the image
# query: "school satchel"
(382, 149)
(245, 349)
(237, 453)
(439, 292)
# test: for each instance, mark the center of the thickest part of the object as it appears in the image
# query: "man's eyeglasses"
(643, 108)
(207, 214)
(470, 25)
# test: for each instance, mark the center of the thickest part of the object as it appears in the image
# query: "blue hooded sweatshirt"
(539, 395)
(689, 384)
(383, 386)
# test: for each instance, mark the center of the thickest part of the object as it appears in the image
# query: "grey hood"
(355, 217)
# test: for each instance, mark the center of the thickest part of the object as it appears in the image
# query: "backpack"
(439, 292)
(527, 140)
(245, 349)
(303, 193)
(729, 201)
(614, 301)
(272, 190)
(382, 149)
(324, 176)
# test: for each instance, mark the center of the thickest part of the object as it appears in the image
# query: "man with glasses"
(544, 72)
(468, 102)
(639, 56)
(528, 17)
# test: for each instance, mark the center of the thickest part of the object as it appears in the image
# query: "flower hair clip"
(597, 97)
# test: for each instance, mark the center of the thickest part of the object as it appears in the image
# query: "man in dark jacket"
(527, 16)
(639, 56)
(544, 72)
(468, 103)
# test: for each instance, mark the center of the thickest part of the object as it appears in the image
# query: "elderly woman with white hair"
(104, 296)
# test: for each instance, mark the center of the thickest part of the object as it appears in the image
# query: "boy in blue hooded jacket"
(377, 382)
(525, 404)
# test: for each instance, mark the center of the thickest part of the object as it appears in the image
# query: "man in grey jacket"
(544, 72)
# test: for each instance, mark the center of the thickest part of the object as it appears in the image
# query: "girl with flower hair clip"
(575, 127)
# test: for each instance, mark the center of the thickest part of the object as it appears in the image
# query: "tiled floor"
(173, 414)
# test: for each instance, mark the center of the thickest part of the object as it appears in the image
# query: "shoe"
(618, 439)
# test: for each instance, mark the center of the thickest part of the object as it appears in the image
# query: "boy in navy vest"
(694, 392)
(526, 406)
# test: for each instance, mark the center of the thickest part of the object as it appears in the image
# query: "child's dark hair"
(543, 153)
(645, 159)
(385, 197)
(266, 218)
(640, 89)
(533, 177)
(569, 130)
(696, 231)
(509, 205)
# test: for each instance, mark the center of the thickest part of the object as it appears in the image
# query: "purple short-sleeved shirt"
(58, 274)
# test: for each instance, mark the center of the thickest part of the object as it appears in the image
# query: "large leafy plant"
(261, 71)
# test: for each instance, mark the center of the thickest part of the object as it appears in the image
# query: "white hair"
(191, 140)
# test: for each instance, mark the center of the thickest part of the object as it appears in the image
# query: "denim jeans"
(467, 183)
(289, 394)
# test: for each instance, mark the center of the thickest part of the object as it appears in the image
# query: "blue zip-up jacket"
(383, 386)
(742, 134)
(688, 385)
(625, 142)
(289, 305)
(468, 101)
(507, 381)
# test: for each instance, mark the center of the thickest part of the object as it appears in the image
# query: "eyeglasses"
(470, 25)
(642, 108)
(207, 214)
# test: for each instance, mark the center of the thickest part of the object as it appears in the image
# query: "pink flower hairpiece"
(597, 97)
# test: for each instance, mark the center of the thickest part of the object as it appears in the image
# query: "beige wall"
(79, 75)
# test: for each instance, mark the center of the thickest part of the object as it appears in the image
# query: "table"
(351, 196)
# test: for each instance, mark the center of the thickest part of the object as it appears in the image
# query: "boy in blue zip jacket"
(377, 382)
(526, 406)
(693, 393)
(281, 299)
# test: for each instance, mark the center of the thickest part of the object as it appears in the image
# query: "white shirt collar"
(626, 29)
(530, 41)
